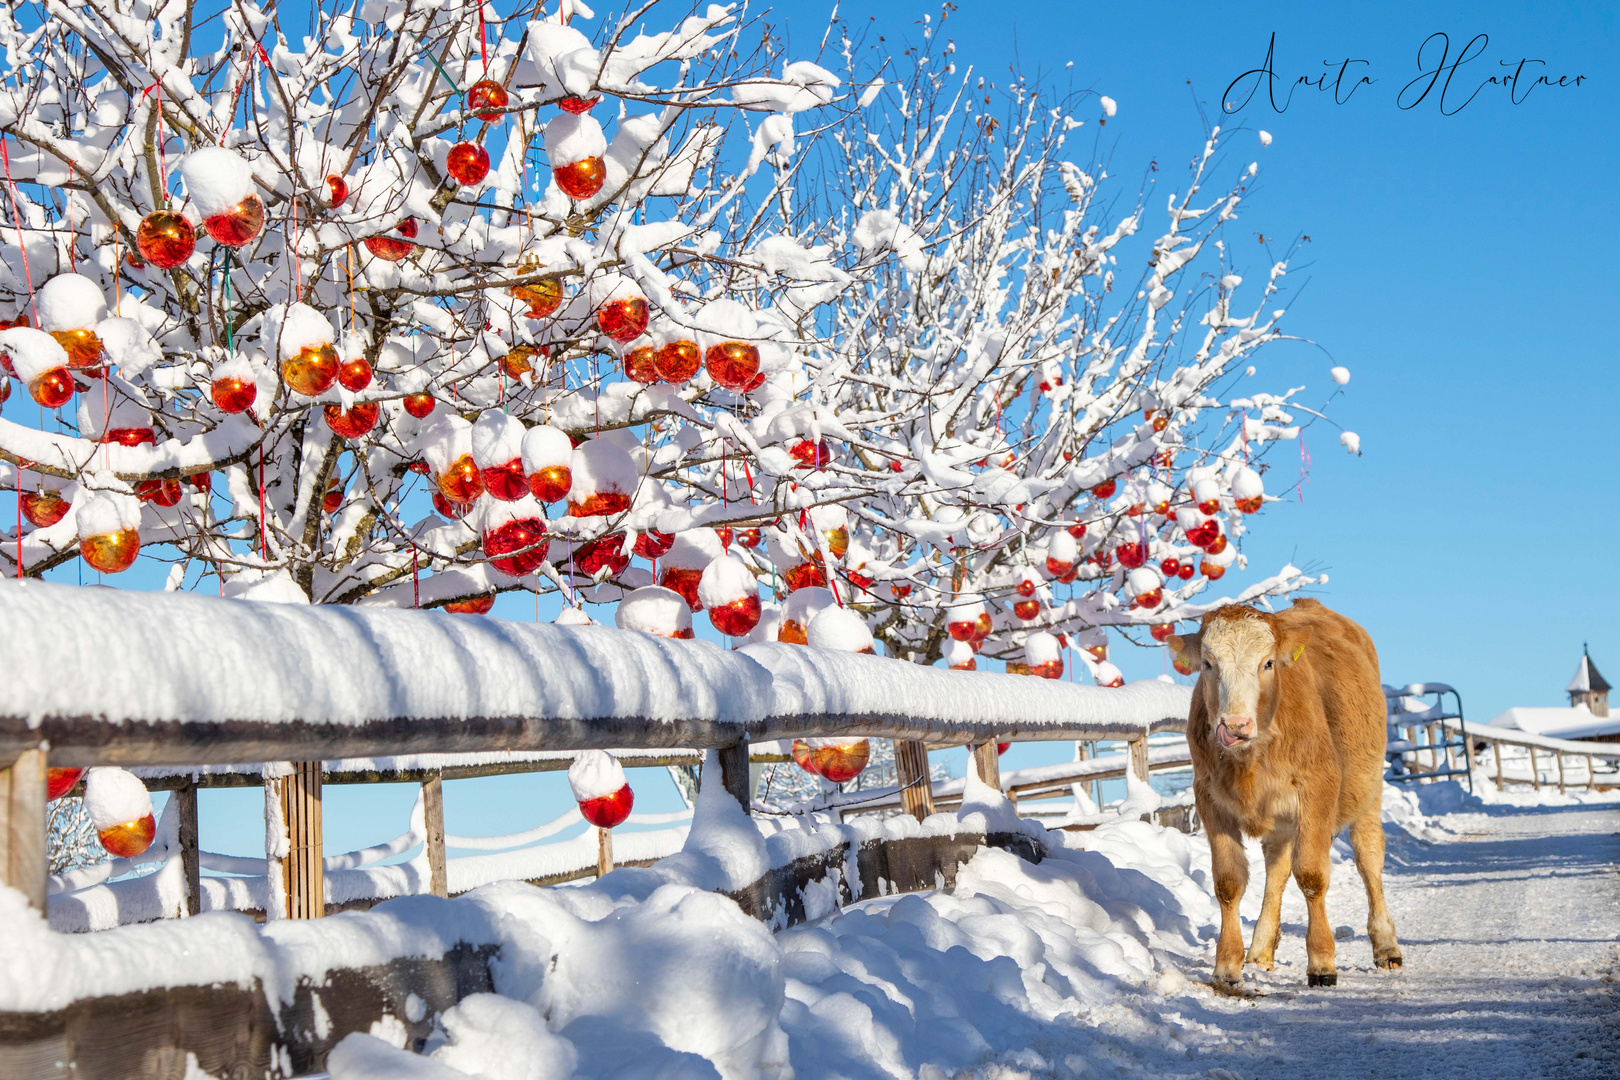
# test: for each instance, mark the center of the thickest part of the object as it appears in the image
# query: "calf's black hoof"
(1390, 962)
(1330, 979)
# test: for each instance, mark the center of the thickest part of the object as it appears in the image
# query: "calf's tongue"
(1226, 737)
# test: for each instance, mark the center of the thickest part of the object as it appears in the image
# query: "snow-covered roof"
(1558, 723)
(1587, 677)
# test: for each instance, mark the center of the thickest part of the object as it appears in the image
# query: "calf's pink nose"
(1241, 726)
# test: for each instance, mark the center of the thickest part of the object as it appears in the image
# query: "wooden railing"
(1539, 747)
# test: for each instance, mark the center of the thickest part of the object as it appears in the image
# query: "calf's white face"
(1239, 659)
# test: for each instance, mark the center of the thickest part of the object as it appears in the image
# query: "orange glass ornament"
(506, 482)
(732, 364)
(901, 591)
(641, 364)
(801, 753)
(238, 225)
(1149, 600)
(354, 422)
(1052, 669)
(1099, 651)
(837, 541)
(517, 547)
(58, 782)
(606, 811)
(736, 618)
(1182, 665)
(684, 581)
(971, 665)
(1211, 570)
(605, 552)
(1186, 571)
(678, 361)
(313, 371)
(129, 839)
(1058, 568)
(843, 763)
(391, 248)
(552, 483)
(963, 629)
(113, 552)
(623, 319)
(601, 504)
(580, 179)
(982, 627)
(1027, 609)
(337, 190)
(467, 163)
(652, 544)
(461, 481)
(478, 605)
(233, 395)
(1217, 545)
(485, 97)
(1161, 631)
(543, 296)
(518, 362)
(83, 348)
(43, 508)
(792, 632)
(805, 575)
(165, 239)
(160, 492)
(1250, 506)
(354, 375)
(419, 405)
(1026, 588)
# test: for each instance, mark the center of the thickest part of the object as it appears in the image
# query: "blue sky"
(1459, 266)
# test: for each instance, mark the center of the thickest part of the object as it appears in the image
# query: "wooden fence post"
(185, 797)
(987, 763)
(1560, 756)
(23, 861)
(734, 773)
(1591, 773)
(1535, 770)
(911, 773)
(604, 852)
(1139, 758)
(433, 841)
(1496, 752)
(303, 869)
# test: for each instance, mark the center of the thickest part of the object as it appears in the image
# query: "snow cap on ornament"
(106, 512)
(959, 656)
(217, 179)
(497, 438)
(546, 447)
(128, 345)
(841, 630)
(1042, 653)
(573, 616)
(114, 797)
(1061, 547)
(724, 320)
(656, 610)
(725, 580)
(802, 606)
(448, 440)
(602, 467)
(593, 774)
(1106, 674)
(70, 302)
(1248, 490)
(693, 549)
(1142, 580)
(571, 138)
(32, 352)
(291, 329)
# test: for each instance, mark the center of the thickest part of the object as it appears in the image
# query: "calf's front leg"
(1279, 849)
(1312, 868)
(1231, 870)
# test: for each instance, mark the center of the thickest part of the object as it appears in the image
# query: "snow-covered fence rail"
(192, 681)
(1527, 744)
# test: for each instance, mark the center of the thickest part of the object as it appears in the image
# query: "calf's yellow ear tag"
(1299, 651)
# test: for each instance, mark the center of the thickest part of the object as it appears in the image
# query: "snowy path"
(1511, 929)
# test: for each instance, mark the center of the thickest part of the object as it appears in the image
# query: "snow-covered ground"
(1095, 963)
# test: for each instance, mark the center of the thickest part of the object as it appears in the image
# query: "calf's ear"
(1187, 646)
(1292, 643)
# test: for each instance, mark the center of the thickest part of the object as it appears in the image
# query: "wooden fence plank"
(987, 763)
(185, 798)
(433, 822)
(23, 863)
(303, 869)
(911, 774)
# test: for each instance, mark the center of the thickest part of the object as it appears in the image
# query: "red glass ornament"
(407, 228)
(1026, 588)
(5, 390)
(1210, 506)
(1149, 600)
(58, 782)
(337, 190)
(811, 455)
(419, 405)
(601, 504)
(203, 481)
(354, 422)
(478, 605)
(1099, 651)
(552, 483)
(805, 575)
(160, 492)
(749, 538)
(165, 239)
(1077, 530)
(1001, 748)
(1170, 565)
(506, 482)
(467, 163)
(129, 436)
(354, 375)
(859, 580)
(725, 534)
(1027, 609)
(1052, 669)
(485, 97)
(1058, 568)
(515, 536)
(579, 106)
(43, 508)
(543, 296)
(606, 811)
(1135, 509)
(448, 509)
(603, 552)
(736, 618)
(1213, 571)
(971, 665)
(895, 466)
(684, 581)
(238, 225)
(1217, 545)
(420, 468)
(113, 552)
(129, 839)
(963, 629)
(677, 361)
(801, 754)
(580, 179)
(1131, 555)
(1204, 533)
(393, 249)
(233, 395)
(1250, 506)
(1186, 572)
(333, 497)
(652, 544)
(313, 371)
(754, 384)
(792, 632)
(1105, 490)
(461, 481)
(842, 763)
(732, 364)
(623, 319)
(642, 364)
(1162, 631)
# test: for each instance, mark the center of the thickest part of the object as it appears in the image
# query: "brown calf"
(1287, 738)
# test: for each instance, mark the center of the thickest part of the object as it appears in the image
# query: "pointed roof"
(1587, 677)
